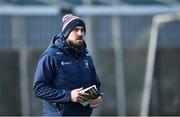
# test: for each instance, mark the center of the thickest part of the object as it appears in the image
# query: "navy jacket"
(61, 69)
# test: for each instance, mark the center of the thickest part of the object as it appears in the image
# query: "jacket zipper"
(78, 69)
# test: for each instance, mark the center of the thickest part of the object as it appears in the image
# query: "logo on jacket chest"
(66, 62)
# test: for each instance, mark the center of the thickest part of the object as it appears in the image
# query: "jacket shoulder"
(51, 51)
(89, 57)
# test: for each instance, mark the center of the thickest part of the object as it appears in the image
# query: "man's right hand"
(77, 95)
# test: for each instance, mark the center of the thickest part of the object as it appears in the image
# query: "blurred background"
(135, 45)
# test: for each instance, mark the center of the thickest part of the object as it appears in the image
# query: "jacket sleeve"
(96, 79)
(44, 75)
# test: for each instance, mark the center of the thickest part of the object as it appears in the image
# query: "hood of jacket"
(59, 42)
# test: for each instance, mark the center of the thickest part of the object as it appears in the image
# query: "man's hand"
(96, 102)
(77, 95)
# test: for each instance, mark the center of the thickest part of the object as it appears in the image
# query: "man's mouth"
(79, 39)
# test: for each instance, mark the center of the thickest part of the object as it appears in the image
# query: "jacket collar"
(59, 42)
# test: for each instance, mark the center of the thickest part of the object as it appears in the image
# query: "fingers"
(77, 95)
(94, 105)
(79, 89)
(96, 102)
(82, 96)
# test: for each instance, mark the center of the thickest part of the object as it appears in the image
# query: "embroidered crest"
(86, 63)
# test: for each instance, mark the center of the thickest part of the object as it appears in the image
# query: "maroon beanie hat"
(69, 22)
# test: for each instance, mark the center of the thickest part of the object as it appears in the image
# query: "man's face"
(76, 37)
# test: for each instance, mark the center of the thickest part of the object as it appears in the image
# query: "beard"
(76, 43)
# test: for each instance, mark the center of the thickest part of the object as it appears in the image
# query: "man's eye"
(75, 29)
(82, 30)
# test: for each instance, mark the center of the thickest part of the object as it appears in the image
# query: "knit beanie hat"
(69, 22)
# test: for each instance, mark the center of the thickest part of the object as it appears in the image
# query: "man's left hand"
(96, 102)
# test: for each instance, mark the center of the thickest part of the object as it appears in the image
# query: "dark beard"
(79, 45)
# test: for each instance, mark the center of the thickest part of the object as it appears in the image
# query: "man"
(64, 69)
